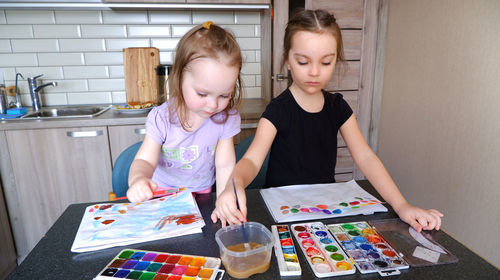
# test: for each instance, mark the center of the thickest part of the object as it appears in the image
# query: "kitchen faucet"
(35, 91)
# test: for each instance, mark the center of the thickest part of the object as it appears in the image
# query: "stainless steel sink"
(87, 111)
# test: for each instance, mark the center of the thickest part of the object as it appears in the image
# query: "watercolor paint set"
(284, 249)
(367, 248)
(321, 251)
(151, 265)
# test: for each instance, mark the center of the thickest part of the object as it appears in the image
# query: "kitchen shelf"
(98, 5)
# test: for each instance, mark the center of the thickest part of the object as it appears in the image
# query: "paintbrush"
(160, 193)
(245, 238)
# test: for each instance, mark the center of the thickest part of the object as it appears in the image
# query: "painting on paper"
(115, 224)
(319, 201)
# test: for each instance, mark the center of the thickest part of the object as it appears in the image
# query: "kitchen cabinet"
(7, 249)
(51, 169)
(122, 136)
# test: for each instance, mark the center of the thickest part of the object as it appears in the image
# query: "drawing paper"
(319, 201)
(116, 224)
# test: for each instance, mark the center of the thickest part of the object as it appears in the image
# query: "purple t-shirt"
(187, 159)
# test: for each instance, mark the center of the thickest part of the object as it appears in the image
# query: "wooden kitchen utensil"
(141, 80)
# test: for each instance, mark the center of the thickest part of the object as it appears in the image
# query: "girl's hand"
(141, 190)
(419, 218)
(226, 209)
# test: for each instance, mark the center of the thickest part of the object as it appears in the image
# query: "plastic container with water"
(238, 261)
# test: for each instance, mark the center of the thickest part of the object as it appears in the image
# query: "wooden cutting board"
(141, 80)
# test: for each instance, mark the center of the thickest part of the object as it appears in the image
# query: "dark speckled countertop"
(52, 258)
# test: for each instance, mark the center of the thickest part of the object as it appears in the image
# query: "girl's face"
(311, 60)
(207, 86)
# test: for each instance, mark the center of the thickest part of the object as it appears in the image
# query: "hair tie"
(207, 24)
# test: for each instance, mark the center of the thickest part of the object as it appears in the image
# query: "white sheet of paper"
(310, 201)
(426, 254)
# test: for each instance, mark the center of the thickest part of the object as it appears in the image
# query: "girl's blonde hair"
(316, 21)
(210, 41)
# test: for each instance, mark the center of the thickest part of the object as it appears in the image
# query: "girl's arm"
(225, 160)
(244, 172)
(375, 172)
(141, 171)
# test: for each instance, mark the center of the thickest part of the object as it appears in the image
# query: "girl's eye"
(326, 63)
(224, 96)
(201, 94)
(302, 62)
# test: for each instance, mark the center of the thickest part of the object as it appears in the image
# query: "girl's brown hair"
(316, 21)
(204, 40)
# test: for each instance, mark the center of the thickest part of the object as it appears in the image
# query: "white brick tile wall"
(170, 17)
(125, 17)
(248, 56)
(249, 43)
(83, 45)
(5, 46)
(106, 84)
(251, 68)
(30, 17)
(52, 59)
(166, 57)
(82, 50)
(49, 73)
(56, 31)
(9, 73)
(119, 97)
(50, 99)
(104, 58)
(180, 30)
(165, 44)
(104, 31)
(148, 31)
(18, 59)
(16, 31)
(3, 20)
(76, 85)
(78, 17)
(248, 80)
(120, 44)
(116, 71)
(89, 97)
(218, 17)
(85, 72)
(34, 45)
(252, 92)
(241, 30)
(243, 17)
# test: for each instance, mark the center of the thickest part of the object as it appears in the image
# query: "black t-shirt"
(304, 150)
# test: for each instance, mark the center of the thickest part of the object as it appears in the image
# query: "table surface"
(53, 259)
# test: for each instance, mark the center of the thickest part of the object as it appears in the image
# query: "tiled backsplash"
(82, 50)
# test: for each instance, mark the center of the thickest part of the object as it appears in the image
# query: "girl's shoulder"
(334, 98)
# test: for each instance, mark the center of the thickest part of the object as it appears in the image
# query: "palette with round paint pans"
(321, 250)
(367, 248)
(150, 265)
(284, 249)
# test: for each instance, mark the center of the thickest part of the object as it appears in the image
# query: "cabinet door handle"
(140, 131)
(248, 125)
(76, 134)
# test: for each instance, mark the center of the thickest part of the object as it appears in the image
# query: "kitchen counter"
(250, 109)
